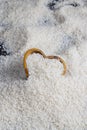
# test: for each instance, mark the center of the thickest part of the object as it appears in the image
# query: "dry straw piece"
(35, 50)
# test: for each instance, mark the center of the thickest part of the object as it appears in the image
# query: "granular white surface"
(46, 100)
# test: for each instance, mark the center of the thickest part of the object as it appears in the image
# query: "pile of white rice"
(46, 100)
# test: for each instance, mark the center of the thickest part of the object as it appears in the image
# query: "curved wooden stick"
(35, 50)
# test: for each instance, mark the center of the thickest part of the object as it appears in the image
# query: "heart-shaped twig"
(35, 50)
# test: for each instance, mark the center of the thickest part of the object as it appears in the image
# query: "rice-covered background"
(46, 100)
